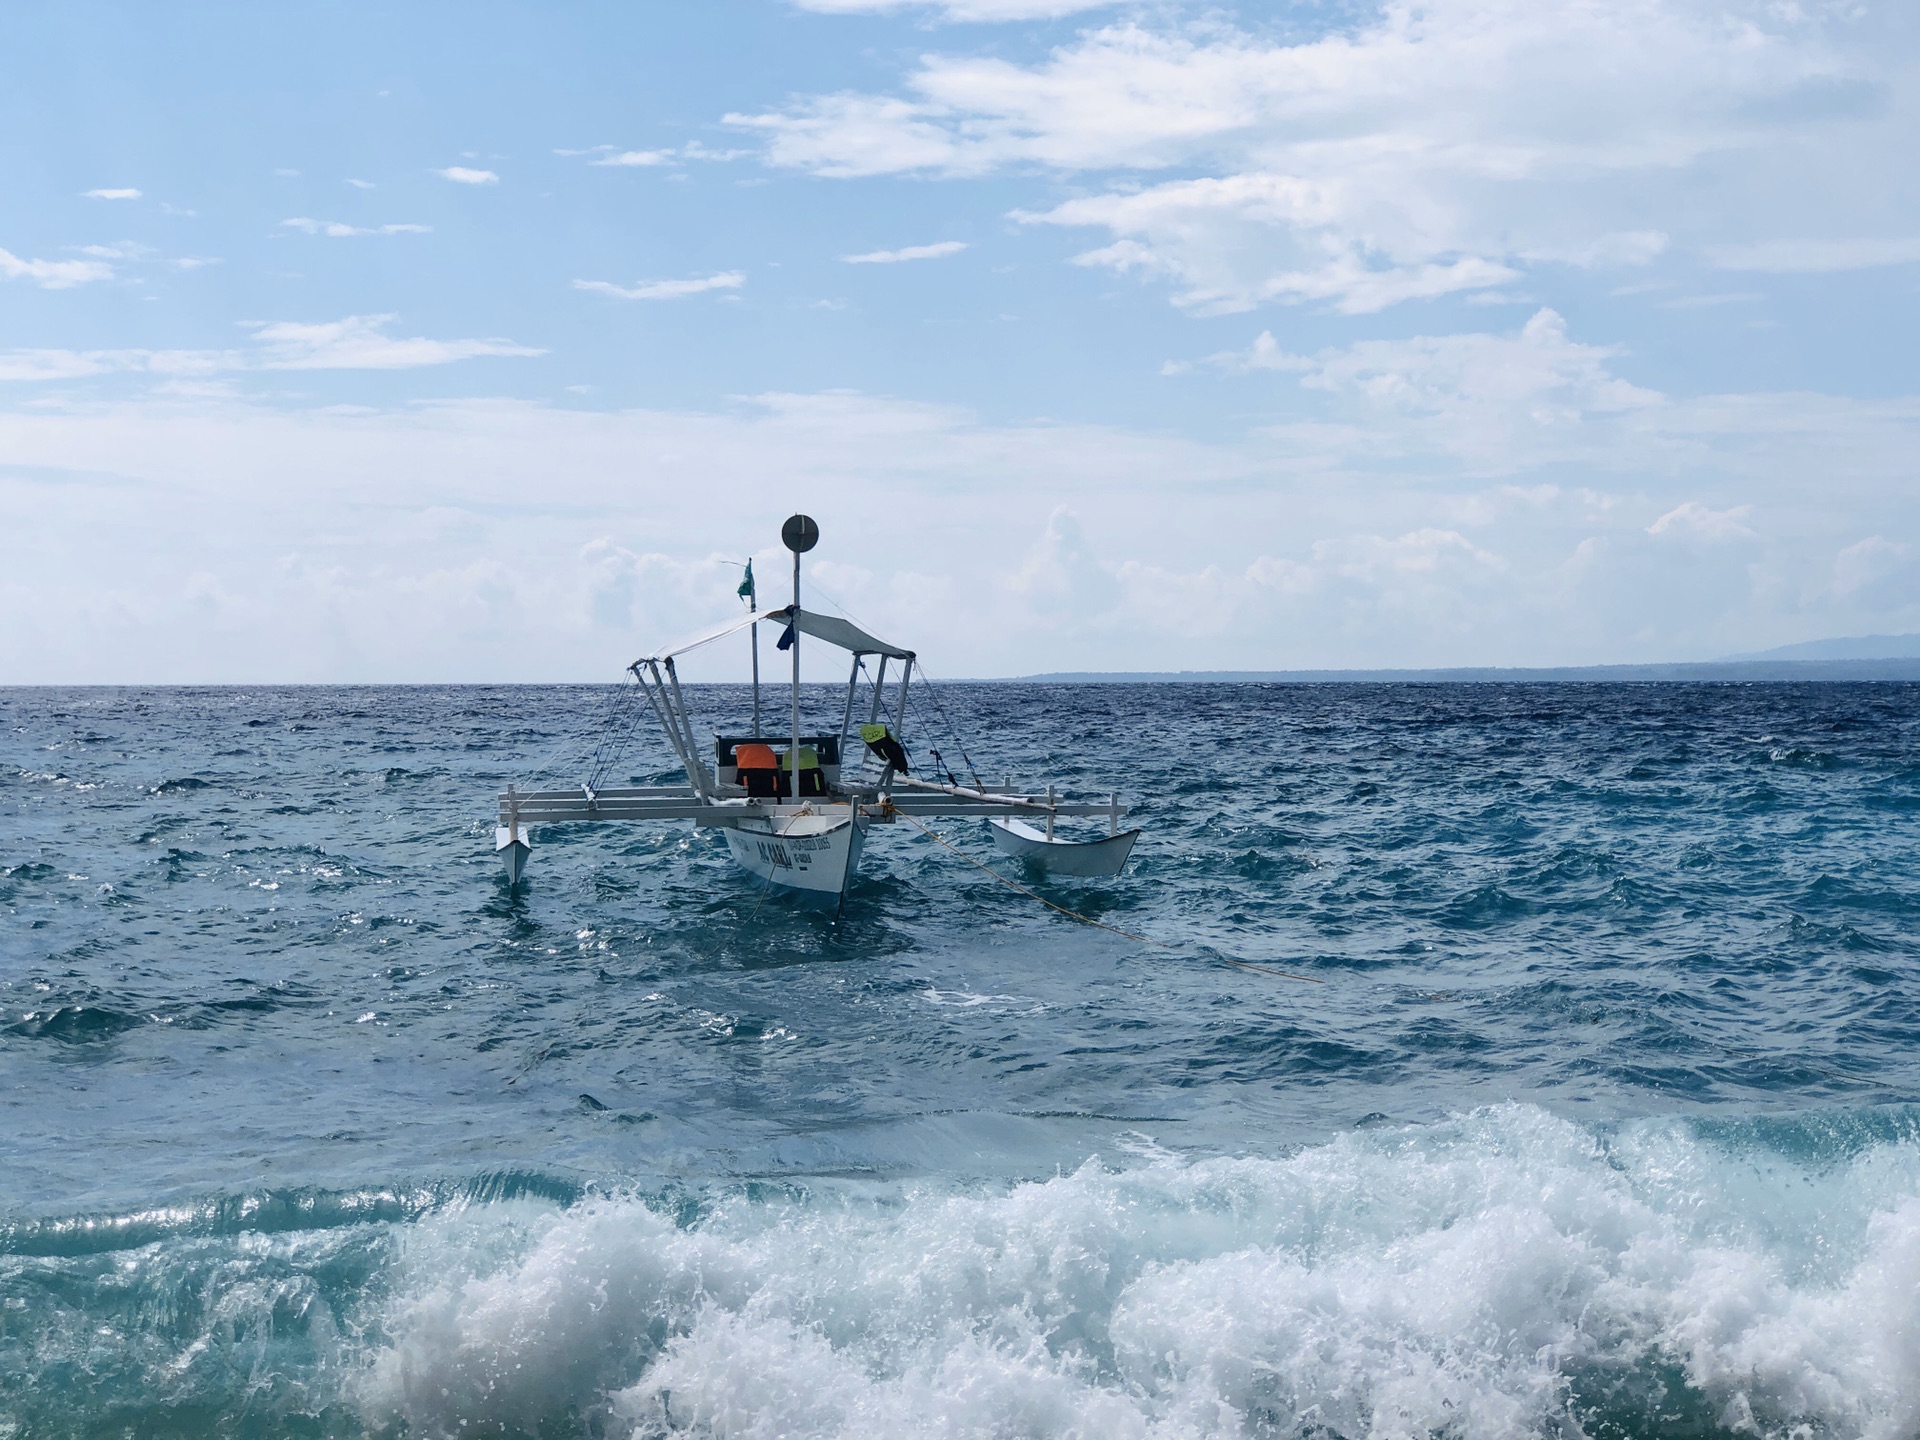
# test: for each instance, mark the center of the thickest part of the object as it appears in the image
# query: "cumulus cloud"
(1424, 150)
(1061, 579)
(461, 175)
(340, 231)
(1870, 564)
(1264, 354)
(909, 252)
(1501, 401)
(127, 193)
(1260, 247)
(1540, 370)
(1337, 542)
(665, 289)
(53, 274)
(1704, 523)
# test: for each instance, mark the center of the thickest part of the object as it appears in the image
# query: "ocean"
(1593, 1111)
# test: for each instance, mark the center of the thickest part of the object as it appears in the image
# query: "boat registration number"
(774, 852)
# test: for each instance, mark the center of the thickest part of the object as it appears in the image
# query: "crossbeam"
(582, 807)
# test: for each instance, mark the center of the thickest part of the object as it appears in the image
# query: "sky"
(483, 342)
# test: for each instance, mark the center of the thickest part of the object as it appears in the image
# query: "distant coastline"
(1733, 672)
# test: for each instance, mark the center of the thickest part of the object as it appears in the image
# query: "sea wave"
(1508, 1273)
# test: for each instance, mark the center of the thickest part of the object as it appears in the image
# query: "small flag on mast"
(745, 592)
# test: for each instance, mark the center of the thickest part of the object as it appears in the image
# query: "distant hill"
(1744, 671)
(1854, 647)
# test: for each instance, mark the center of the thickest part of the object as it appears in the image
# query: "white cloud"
(1869, 565)
(463, 540)
(1553, 378)
(362, 184)
(636, 158)
(1427, 149)
(1613, 250)
(1245, 259)
(612, 156)
(357, 342)
(461, 175)
(45, 365)
(1264, 354)
(665, 289)
(1817, 256)
(123, 194)
(1712, 301)
(1701, 522)
(1504, 401)
(58, 364)
(1424, 552)
(341, 231)
(848, 136)
(909, 252)
(1060, 579)
(961, 10)
(53, 274)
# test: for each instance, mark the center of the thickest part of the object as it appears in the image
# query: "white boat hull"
(513, 847)
(812, 857)
(1086, 858)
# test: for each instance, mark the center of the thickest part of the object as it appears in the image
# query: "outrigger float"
(794, 812)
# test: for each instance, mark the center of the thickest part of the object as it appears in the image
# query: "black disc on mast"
(800, 534)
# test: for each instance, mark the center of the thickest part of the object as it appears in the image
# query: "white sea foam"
(1500, 1275)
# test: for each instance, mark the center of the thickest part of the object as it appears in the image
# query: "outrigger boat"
(794, 811)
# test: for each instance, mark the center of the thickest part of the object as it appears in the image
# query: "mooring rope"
(1086, 919)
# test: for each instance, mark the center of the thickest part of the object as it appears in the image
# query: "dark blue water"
(1600, 1119)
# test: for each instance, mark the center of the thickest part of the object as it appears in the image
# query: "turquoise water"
(1599, 1120)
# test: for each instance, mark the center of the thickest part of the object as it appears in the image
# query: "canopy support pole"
(756, 679)
(699, 775)
(660, 712)
(900, 706)
(873, 713)
(846, 716)
(793, 759)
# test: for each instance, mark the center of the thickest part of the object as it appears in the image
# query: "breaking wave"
(1505, 1274)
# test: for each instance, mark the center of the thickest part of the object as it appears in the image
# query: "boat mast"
(756, 679)
(747, 593)
(799, 535)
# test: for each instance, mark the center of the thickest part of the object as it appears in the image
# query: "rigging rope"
(932, 689)
(608, 752)
(1087, 919)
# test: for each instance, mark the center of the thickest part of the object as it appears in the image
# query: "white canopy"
(830, 628)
